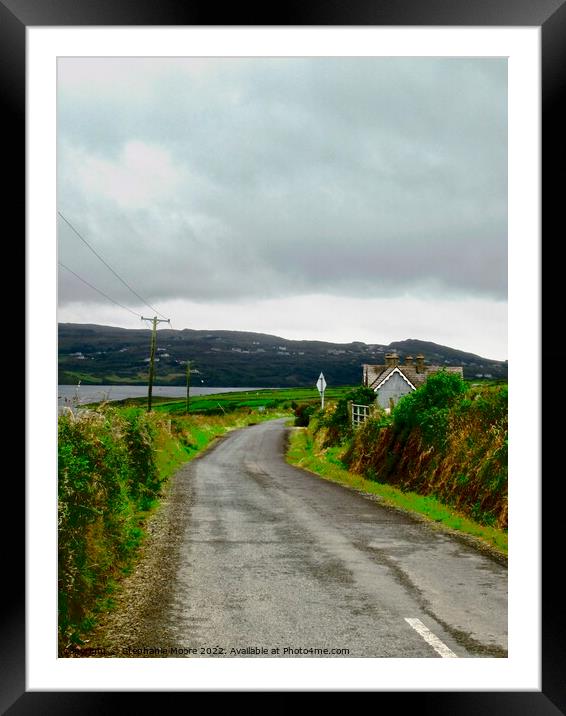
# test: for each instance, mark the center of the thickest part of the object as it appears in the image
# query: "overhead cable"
(98, 256)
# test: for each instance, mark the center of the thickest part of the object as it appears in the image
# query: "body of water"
(73, 395)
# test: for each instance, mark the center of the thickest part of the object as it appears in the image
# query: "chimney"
(420, 363)
(409, 360)
(391, 359)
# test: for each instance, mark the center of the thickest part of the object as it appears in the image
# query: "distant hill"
(105, 355)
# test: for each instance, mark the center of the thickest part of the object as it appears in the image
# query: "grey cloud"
(351, 176)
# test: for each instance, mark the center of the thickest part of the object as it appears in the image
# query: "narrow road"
(272, 557)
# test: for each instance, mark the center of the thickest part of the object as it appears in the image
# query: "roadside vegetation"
(442, 452)
(113, 467)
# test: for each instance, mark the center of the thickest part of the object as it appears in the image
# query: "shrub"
(338, 422)
(444, 440)
(428, 407)
(139, 434)
(107, 473)
(303, 413)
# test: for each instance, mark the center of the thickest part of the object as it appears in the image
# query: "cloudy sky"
(334, 199)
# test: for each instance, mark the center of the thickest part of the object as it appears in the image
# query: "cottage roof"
(388, 373)
(375, 375)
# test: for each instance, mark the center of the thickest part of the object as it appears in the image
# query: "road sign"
(321, 383)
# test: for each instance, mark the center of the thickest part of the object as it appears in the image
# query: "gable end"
(395, 370)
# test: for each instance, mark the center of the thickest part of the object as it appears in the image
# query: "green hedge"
(445, 439)
(107, 475)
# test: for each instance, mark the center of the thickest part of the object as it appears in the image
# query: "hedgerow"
(107, 476)
(445, 439)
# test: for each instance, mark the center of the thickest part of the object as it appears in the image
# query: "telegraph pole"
(188, 384)
(154, 322)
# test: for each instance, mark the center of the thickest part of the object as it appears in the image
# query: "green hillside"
(105, 355)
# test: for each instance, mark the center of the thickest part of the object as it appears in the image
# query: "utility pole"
(154, 322)
(188, 385)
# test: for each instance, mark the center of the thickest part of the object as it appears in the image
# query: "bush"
(139, 434)
(107, 473)
(428, 407)
(338, 423)
(303, 413)
(443, 440)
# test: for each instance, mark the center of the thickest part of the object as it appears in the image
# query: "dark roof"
(378, 373)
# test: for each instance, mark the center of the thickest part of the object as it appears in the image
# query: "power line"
(109, 267)
(98, 290)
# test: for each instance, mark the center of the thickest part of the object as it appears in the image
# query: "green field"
(225, 402)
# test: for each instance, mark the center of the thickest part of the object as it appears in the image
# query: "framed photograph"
(64, 65)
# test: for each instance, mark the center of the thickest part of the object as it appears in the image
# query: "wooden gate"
(359, 414)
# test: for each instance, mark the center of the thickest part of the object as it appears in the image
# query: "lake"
(71, 394)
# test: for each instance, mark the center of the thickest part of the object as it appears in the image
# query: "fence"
(359, 413)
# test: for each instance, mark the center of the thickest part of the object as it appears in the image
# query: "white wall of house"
(394, 387)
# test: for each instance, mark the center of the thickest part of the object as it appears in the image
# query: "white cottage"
(393, 380)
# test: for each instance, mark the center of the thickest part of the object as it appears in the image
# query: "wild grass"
(447, 440)
(452, 446)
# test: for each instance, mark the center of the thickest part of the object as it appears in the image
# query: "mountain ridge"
(99, 354)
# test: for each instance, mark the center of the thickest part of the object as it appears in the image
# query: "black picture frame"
(550, 16)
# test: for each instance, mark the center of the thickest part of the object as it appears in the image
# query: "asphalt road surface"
(273, 558)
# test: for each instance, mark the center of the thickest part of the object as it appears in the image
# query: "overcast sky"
(335, 199)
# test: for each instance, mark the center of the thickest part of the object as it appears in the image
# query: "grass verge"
(327, 464)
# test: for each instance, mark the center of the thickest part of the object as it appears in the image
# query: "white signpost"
(321, 385)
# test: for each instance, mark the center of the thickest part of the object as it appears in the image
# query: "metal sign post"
(321, 385)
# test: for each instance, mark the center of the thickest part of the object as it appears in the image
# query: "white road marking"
(431, 639)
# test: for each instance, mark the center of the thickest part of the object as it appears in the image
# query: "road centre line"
(431, 639)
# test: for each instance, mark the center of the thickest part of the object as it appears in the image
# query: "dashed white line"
(431, 639)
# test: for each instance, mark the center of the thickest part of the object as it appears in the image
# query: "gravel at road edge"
(143, 594)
